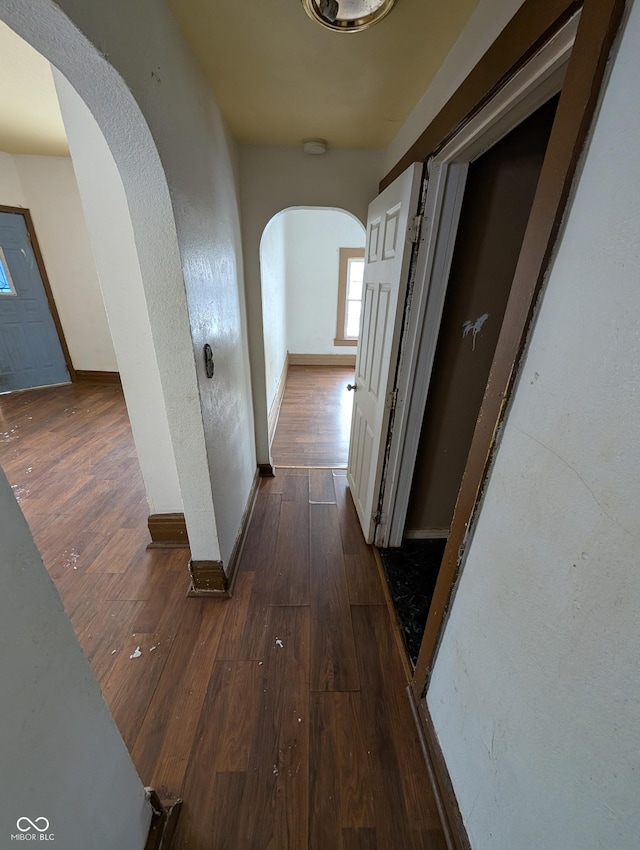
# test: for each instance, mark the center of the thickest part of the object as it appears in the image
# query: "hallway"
(280, 716)
(314, 424)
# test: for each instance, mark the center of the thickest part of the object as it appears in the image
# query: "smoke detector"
(314, 146)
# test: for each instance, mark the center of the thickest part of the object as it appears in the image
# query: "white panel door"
(387, 258)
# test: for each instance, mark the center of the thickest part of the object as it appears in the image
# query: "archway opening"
(311, 263)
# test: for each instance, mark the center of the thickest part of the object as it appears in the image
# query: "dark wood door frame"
(534, 24)
(45, 282)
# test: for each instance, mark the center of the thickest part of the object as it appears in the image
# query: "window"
(6, 284)
(350, 282)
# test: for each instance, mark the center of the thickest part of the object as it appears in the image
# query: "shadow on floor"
(412, 571)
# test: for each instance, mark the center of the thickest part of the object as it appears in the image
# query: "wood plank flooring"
(280, 716)
(315, 417)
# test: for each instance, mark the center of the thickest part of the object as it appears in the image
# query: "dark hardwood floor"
(315, 418)
(280, 716)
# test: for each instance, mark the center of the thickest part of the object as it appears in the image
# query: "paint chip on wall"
(474, 328)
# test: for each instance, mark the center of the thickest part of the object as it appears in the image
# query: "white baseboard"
(322, 359)
(425, 533)
(274, 410)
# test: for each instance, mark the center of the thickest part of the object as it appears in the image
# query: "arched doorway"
(138, 129)
(311, 261)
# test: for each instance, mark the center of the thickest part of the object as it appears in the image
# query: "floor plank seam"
(219, 704)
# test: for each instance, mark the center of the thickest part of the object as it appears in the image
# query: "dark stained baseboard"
(210, 578)
(168, 531)
(452, 824)
(163, 823)
(94, 377)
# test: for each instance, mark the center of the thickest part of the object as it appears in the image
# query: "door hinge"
(415, 226)
(392, 400)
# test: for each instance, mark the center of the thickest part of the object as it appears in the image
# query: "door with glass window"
(31, 354)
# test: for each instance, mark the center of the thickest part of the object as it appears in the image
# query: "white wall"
(176, 163)
(535, 693)
(273, 270)
(46, 186)
(111, 231)
(11, 191)
(62, 756)
(273, 178)
(313, 241)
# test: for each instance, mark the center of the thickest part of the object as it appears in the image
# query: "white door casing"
(387, 259)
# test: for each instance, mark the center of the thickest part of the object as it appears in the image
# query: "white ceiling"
(277, 75)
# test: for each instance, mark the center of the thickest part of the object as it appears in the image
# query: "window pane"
(350, 292)
(355, 275)
(356, 268)
(354, 289)
(6, 284)
(353, 318)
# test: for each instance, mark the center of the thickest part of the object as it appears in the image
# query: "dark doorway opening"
(499, 193)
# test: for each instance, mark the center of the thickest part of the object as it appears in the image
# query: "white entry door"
(387, 258)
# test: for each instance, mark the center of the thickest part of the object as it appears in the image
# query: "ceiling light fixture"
(347, 15)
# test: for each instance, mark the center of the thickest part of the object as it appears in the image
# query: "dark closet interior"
(499, 193)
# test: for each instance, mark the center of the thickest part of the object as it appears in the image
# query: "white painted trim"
(443, 204)
(322, 359)
(532, 86)
(276, 404)
(522, 94)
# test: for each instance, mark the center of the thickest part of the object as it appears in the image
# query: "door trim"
(24, 212)
(532, 26)
(597, 29)
(540, 79)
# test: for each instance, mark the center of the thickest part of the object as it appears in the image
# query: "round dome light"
(347, 15)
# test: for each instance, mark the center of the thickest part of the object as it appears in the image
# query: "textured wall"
(62, 757)
(144, 46)
(167, 138)
(536, 686)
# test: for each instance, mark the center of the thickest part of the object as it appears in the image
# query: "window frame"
(346, 254)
